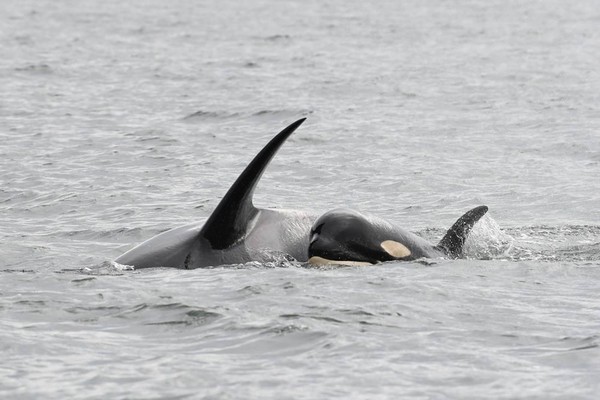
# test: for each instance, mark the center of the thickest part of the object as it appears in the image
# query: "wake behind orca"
(237, 232)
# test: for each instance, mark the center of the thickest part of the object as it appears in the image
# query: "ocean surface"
(121, 119)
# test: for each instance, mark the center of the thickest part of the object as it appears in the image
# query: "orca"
(347, 237)
(237, 232)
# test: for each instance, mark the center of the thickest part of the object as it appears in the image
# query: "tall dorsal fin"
(453, 241)
(228, 222)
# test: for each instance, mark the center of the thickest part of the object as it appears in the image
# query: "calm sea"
(121, 119)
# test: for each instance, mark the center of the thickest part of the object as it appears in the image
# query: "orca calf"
(237, 232)
(347, 237)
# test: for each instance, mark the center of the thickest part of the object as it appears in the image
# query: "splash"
(104, 268)
(488, 241)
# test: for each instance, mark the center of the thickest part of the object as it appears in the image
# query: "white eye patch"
(395, 249)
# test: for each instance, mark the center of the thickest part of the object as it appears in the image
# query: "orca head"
(346, 237)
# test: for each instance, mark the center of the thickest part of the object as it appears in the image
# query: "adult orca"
(238, 232)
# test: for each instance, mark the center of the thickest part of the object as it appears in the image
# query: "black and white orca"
(348, 237)
(237, 232)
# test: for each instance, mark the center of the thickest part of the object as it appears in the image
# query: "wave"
(210, 115)
(37, 69)
(205, 115)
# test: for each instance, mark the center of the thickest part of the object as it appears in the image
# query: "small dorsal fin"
(453, 241)
(228, 222)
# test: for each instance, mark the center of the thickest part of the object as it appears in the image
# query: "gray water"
(120, 119)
